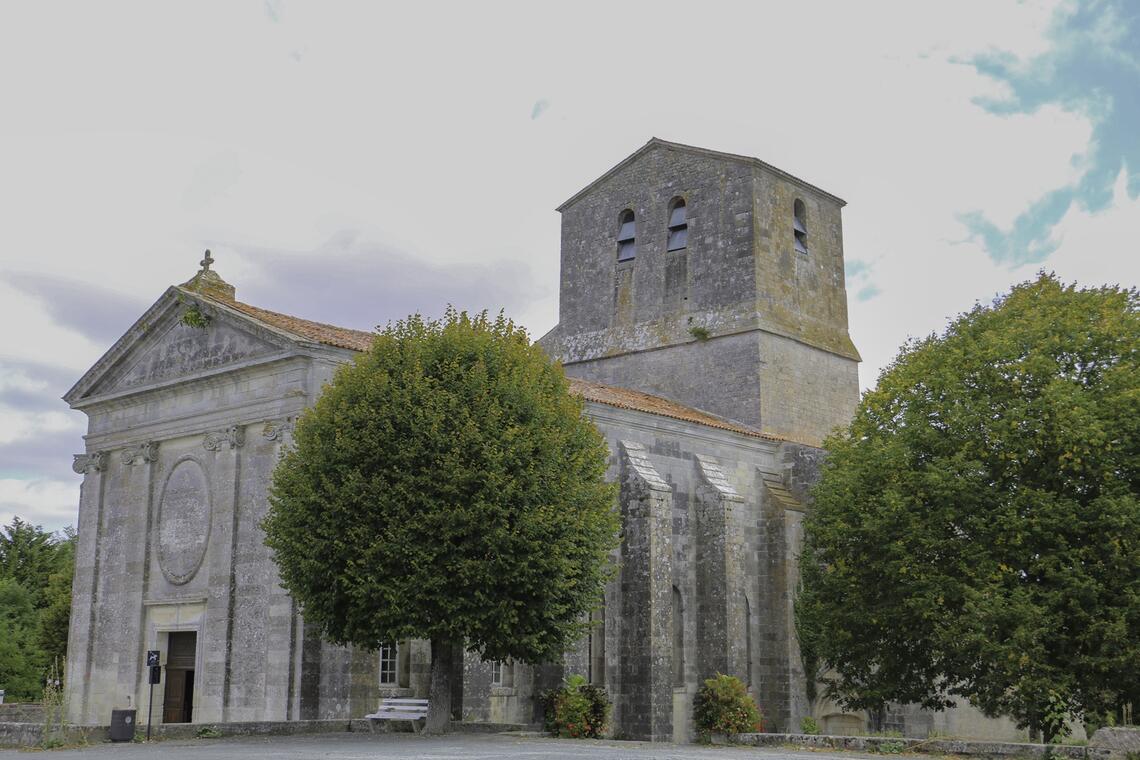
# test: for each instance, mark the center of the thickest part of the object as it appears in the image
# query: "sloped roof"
(319, 332)
(656, 142)
(624, 398)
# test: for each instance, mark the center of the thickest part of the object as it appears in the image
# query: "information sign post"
(153, 676)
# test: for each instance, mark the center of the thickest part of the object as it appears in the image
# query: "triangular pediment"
(164, 347)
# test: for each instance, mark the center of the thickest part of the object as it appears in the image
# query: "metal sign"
(153, 677)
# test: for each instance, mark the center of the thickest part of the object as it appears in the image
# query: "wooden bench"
(401, 709)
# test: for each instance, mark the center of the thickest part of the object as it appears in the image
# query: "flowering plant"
(578, 710)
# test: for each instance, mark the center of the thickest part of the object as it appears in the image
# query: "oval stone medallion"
(183, 522)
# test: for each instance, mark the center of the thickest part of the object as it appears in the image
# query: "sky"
(356, 162)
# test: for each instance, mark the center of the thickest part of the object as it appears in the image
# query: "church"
(702, 319)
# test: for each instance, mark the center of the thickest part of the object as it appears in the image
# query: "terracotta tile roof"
(331, 335)
(624, 398)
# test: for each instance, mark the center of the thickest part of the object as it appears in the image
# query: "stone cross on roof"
(209, 282)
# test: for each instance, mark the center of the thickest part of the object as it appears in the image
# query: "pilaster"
(645, 697)
(720, 574)
(217, 634)
(84, 587)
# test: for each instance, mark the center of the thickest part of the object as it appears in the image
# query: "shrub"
(578, 710)
(891, 747)
(809, 725)
(723, 705)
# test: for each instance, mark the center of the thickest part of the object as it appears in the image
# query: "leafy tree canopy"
(21, 661)
(446, 486)
(29, 555)
(36, 569)
(976, 532)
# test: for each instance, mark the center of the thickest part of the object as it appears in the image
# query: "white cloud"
(12, 378)
(1101, 248)
(16, 424)
(53, 504)
(32, 336)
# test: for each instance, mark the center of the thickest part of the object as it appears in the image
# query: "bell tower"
(714, 280)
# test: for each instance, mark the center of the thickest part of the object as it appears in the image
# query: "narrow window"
(678, 639)
(627, 244)
(678, 226)
(597, 654)
(388, 664)
(747, 642)
(799, 224)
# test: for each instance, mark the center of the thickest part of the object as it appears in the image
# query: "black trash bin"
(122, 725)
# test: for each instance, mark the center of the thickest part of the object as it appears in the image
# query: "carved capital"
(277, 430)
(96, 461)
(232, 437)
(141, 453)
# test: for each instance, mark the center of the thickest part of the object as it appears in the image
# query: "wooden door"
(178, 695)
(173, 707)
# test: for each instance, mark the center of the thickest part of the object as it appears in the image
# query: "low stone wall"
(1117, 740)
(934, 746)
(21, 712)
(14, 734)
(253, 728)
(478, 727)
(24, 734)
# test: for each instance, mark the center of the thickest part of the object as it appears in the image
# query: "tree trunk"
(439, 694)
(878, 718)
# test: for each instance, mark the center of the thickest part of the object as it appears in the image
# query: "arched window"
(799, 225)
(678, 226)
(678, 639)
(627, 244)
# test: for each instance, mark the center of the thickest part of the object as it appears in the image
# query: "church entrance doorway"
(178, 697)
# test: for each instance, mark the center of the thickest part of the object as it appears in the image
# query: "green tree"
(35, 604)
(22, 662)
(446, 486)
(29, 555)
(55, 615)
(976, 531)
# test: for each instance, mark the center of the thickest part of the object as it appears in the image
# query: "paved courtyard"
(451, 747)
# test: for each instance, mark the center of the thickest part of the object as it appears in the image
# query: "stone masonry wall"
(175, 483)
(727, 557)
(806, 393)
(738, 323)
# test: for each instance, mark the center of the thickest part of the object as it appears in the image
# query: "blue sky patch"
(1093, 68)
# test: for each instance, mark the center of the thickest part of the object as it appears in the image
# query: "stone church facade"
(702, 318)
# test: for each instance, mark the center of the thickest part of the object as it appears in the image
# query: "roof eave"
(658, 142)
